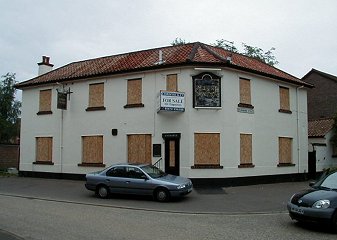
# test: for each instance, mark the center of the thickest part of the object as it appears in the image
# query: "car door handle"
(127, 182)
(107, 180)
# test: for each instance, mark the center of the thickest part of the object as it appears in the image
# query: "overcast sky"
(304, 32)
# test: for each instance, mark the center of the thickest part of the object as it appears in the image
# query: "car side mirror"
(144, 177)
(311, 184)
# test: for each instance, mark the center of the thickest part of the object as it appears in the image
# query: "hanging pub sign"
(206, 91)
(171, 101)
(62, 100)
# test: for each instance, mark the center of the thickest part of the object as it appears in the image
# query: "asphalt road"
(60, 209)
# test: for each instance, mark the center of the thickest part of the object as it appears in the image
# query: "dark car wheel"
(162, 195)
(102, 191)
(334, 222)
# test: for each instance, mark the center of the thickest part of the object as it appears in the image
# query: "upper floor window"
(206, 91)
(96, 97)
(284, 100)
(134, 93)
(45, 102)
(172, 83)
(245, 93)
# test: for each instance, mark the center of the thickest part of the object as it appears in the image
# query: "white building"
(323, 153)
(208, 113)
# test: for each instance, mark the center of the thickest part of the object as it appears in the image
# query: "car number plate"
(297, 210)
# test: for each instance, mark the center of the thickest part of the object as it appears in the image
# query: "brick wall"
(9, 156)
(322, 99)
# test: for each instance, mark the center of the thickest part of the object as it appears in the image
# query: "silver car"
(141, 179)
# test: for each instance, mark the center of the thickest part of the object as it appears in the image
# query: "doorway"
(312, 165)
(172, 153)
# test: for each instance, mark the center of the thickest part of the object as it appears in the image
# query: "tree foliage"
(334, 132)
(9, 109)
(251, 51)
(225, 44)
(178, 41)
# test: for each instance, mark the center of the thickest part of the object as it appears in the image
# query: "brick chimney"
(45, 66)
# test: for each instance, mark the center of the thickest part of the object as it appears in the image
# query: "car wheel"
(102, 191)
(162, 195)
(334, 222)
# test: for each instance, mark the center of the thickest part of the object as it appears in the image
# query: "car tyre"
(334, 222)
(162, 195)
(102, 191)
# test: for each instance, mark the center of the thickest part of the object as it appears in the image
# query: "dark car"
(318, 204)
(137, 179)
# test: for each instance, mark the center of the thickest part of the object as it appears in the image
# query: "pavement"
(242, 200)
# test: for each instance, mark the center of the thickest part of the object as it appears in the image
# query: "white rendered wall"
(265, 125)
(324, 154)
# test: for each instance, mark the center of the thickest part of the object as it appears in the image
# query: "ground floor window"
(207, 150)
(246, 151)
(140, 148)
(285, 151)
(44, 150)
(92, 151)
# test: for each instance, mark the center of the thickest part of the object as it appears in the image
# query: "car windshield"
(152, 171)
(330, 182)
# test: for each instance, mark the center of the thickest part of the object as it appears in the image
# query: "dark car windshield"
(330, 182)
(152, 171)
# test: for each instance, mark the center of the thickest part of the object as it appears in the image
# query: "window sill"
(245, 105)
(285, 111)
(89, 109)
(246, 165)
(206, 166)
(43, 163)
(44, 112)
(91, 165)
(134, 105)
(286, 165)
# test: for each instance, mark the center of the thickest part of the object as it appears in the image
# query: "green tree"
(178, 41)
(258, 53)
(334, 131)
(250, 51)
(225, 44)
(9, 109)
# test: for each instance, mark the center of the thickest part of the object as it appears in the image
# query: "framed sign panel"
(206, 91)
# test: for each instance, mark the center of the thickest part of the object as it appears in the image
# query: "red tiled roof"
(320, 127)
(195, 54)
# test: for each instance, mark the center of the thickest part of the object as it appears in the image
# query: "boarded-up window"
(44, 149)
(139, 148)
(206, 149)
(45, 101)
(134, 91)
(172, 83)
(285, 150)
(245, 149)
(245, 95)
(92, 149)
(284, 99)
(96, 95)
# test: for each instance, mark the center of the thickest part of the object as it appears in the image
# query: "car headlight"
(181, 186)
(321, 204)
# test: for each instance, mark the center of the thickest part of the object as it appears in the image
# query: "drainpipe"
(61, 141)
(298, 128)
